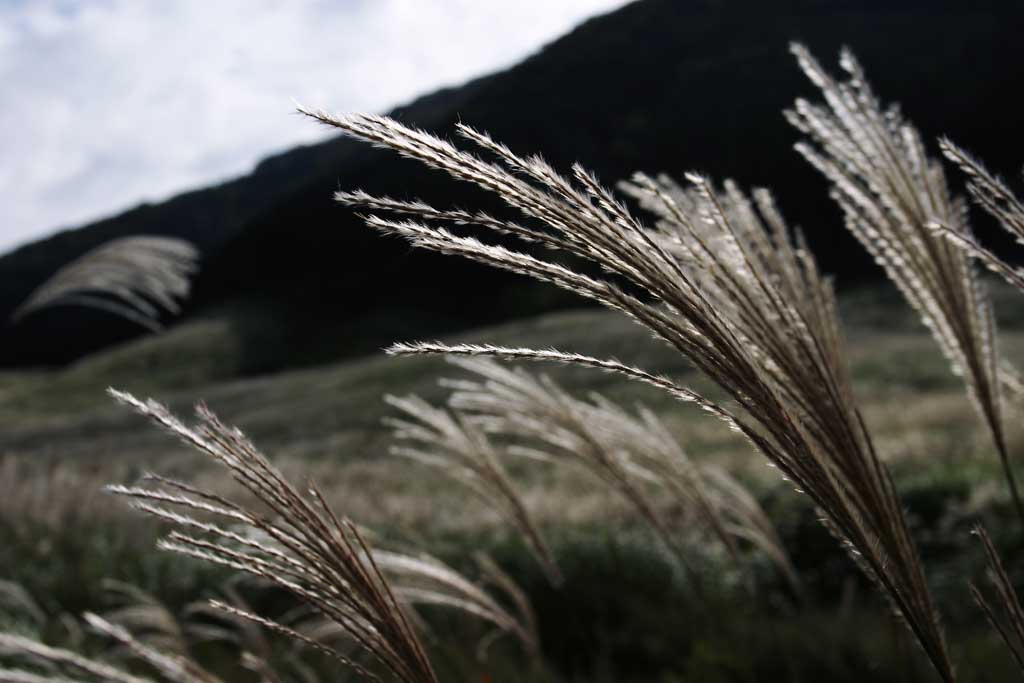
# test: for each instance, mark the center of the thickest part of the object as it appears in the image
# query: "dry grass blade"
(891, 194)
(301, 546)
(137, 278)
(722, 282)
(1011, 628)
(992, 194)
(556, 356)
(444, 440)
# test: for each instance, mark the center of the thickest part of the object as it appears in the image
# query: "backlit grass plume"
(627, 452)
(720, 280)
(299, 545)
(992, 194)
(444, 440)
(425, 580)
(891, 193)
(138, 278)
(552, 424)
(548, 424)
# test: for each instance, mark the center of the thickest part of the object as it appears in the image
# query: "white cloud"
(110, 102)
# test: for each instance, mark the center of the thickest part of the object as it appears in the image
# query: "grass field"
(625, 612)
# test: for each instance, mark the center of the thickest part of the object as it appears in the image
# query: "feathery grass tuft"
(720, 280)
(302, 547)
(991, 194)
(627, 453)
(891, 193)
(447, 441)
(137, 278)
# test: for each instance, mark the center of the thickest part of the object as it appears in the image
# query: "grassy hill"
(63, 439)
(331, 407)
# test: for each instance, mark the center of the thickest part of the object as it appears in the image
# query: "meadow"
(615, 514)
(624, 610)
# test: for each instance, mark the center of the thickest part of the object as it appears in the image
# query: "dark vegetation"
(657, 85)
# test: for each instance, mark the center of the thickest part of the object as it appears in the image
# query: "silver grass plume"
(299, 545)
(626, 452)
(991, 194)
(891, 194)
(138, 278)
(725, 286)
(425, 580)
(448, 442)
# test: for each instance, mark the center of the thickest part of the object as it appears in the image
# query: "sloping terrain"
(334, 410)
(623, 613)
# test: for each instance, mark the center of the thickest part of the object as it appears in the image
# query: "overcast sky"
(106, 103)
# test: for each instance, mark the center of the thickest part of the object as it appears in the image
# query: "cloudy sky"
(106, 103)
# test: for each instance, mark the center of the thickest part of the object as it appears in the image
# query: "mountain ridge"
(656, 85)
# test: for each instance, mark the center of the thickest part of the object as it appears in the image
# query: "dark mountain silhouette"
(659, 85)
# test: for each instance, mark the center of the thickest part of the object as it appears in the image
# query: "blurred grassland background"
(622, 600)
